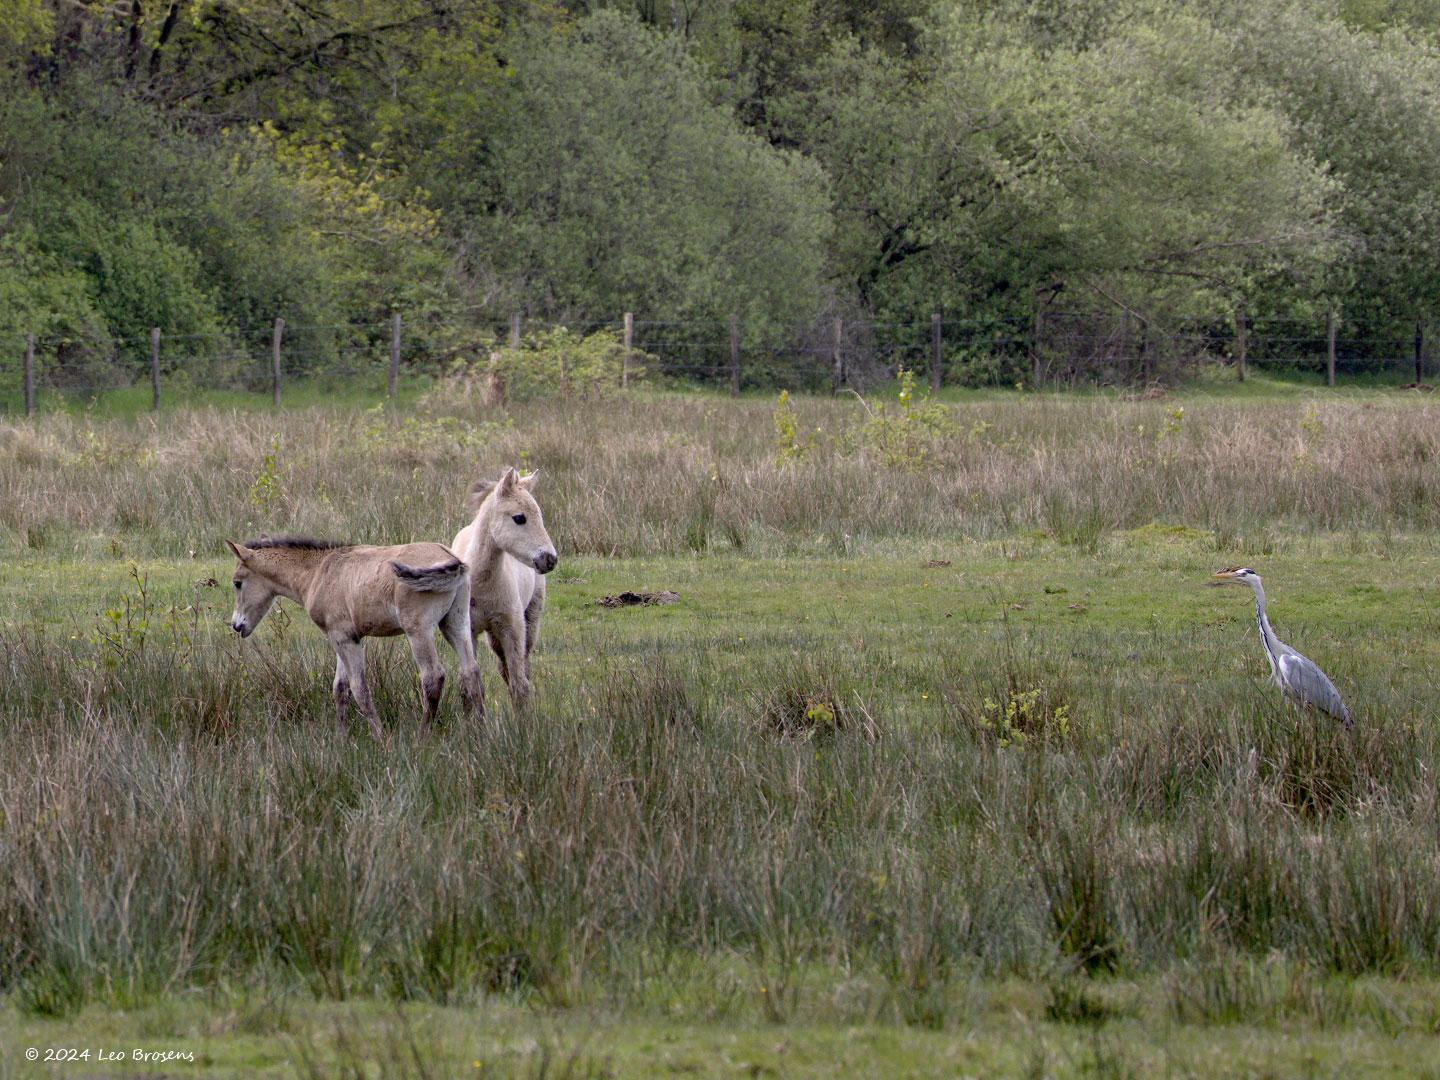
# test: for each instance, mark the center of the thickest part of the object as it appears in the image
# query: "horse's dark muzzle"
(544, 561)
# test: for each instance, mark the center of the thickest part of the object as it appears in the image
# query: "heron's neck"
(1267, 632)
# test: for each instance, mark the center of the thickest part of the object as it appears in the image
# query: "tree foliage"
(610, 183)
(208, 164)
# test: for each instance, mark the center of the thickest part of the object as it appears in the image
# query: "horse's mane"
(479, 491)
(303, 543)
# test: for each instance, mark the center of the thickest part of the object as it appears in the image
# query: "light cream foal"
(508, 552)
(355, 591)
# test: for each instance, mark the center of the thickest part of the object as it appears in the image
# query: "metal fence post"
(1419, 353)
(837, 373)
(275, 361)
(154, 367)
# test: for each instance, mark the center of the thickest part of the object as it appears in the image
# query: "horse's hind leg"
(455, 626)
(352, 655)
(341, 690)
(432, 672)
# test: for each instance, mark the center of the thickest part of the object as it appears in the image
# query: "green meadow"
(947, 761)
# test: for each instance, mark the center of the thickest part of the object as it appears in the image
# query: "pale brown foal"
(355, 591)
(509, 553)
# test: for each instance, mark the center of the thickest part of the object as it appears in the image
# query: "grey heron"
(1301, 679)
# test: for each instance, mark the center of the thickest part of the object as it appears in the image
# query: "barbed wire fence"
(1057, 347)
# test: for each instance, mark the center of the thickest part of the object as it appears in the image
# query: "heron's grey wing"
(1311, 686)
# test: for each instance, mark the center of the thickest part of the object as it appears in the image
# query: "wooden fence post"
(1125, 345)
(734, 356)
(154, 367)
(1036, 343)
(29, 374)
(1419, 353)
(1147, 358)
(936, 374)
(625, 356)
(1330, 347)
(275, 361)
(394, 353)
(1240, 341)
(515, 330)
(837, 374)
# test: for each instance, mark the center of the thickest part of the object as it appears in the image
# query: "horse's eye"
(519, 519)
(237, 584)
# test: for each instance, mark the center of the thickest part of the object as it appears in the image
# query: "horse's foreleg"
(494, 637)
(341, 690)
(352, 655)
(432, 672)
(510, 646)
(532, 621)
(455, 626)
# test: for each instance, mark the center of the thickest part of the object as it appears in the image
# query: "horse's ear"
(529, 480)
(509, 480)
(476, 495)
(237, 549)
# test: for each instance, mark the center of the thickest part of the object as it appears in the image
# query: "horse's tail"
(446, 577)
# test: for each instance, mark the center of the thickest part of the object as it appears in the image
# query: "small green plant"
(265, 491)
(1023, 716)
(126, 626)
(906, 437)
(807, 713)
(789, 446)
(1168, 433)
(1312, 433)
(1173, 425)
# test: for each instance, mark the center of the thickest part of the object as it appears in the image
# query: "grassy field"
(947, 762)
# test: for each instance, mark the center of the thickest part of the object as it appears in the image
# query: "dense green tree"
(1164, 183)
(994, 167)
(1364, 104)
(611, 183)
